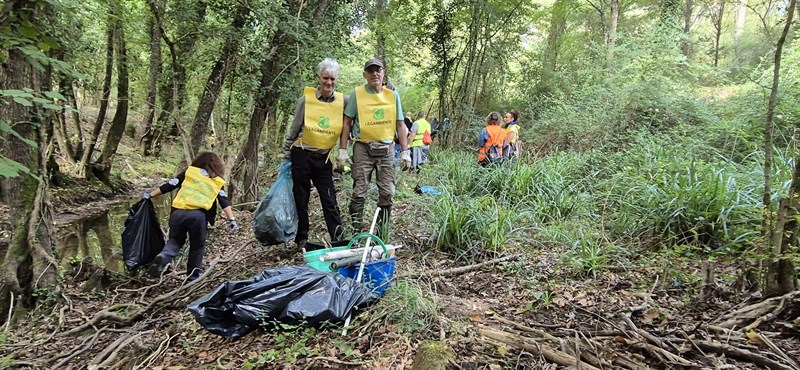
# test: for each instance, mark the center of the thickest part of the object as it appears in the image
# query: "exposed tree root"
(755, 314)
(458, 270)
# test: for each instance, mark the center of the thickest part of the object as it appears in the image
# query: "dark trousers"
(308, 168)
(181, 223)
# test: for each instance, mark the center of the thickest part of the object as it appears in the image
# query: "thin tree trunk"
(69, 93)
(152, 81)
(738, 24)
(61, 132)
(612, 31)
(781, 277)
(687, 26)
(717, 21)
(101, 115)
(215, 81)
(117, 128)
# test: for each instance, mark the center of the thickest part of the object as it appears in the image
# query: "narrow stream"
(96, 235)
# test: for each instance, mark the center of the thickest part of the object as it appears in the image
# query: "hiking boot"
(194, 276)
(158, 266)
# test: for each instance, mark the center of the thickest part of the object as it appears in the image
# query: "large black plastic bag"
(275, 218)
(297, 295)
(142, 238)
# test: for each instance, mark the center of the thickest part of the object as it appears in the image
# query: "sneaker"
(157, 267)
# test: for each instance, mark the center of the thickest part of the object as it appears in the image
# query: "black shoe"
(194, 276)
(157, 267)
(302, 245)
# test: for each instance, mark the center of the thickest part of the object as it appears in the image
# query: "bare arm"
(402, 134)
(345, 132)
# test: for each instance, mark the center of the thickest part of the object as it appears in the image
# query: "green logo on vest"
(378, 113)
(324, 122)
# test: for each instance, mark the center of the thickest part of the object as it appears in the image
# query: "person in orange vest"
(490, 141)
(193, 208)
(316, 129)
(419, 138)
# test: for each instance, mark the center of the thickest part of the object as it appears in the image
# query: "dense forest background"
(666, 125)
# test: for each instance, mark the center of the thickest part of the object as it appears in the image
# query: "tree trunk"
(152, 81)
(101, 115)
(612, 31)
(738, 24)
(28, 263)
(215, 81)
(61, 132)
(688, 11)
(175, 93)
(717, 21)
(103, 168)
(781, 277)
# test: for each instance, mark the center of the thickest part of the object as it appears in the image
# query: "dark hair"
(211, 163)
(515, 114)
(493, 117)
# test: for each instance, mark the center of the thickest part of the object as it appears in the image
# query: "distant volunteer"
(490, 141)
(374, 115)
(193, 208)
(316, 129)
(511, 144)
(419, 140)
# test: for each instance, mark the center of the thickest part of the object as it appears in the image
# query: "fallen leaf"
(755, 338)
(502, 351)
(649, 315)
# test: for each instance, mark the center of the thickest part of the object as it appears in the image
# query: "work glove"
(343, 159)
(234, 226)
(406, 158)
(146, 195)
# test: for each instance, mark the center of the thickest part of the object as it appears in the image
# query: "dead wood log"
(741, 354)
(658, 346)
(757, 313)
(530, 345)
(457, 270)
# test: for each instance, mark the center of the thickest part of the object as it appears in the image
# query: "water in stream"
(97, 235)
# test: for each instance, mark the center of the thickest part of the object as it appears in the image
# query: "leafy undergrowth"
(564, 280)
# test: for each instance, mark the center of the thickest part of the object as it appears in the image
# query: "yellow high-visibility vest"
(377, 115)
(422, 126)
(322, 123)
(197, 191)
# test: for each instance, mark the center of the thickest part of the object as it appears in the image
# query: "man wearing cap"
(373, 116)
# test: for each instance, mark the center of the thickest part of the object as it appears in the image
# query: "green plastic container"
(312, 257)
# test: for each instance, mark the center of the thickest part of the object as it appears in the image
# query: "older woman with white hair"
(316, 129)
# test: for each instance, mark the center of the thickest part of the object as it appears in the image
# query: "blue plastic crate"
(377, 275)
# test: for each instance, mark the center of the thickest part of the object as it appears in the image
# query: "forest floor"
(530, 310)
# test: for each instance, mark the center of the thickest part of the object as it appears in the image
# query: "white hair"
(328, 64)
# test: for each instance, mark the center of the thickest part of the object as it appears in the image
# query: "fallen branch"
(458, 270)
(657, 348)
(741, 354)
(530, 345)
(751, 314)
(106, 315)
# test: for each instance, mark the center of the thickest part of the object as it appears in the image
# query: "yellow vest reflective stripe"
(377, 115)
(197, 191)
(322, 123)
(422, 126)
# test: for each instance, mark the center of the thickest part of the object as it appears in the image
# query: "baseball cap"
(373, 62)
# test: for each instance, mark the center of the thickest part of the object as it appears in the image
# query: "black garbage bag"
(296, 295)
(275, 218)
(142, 238)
